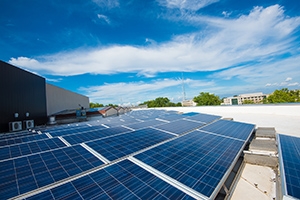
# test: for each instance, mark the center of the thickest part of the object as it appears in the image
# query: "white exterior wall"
(59, 99)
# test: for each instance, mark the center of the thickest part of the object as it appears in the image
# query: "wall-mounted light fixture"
(16, 115)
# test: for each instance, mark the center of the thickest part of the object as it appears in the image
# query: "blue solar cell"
(32, 172)
(30, 138)
(17, 150)
(171, 117)
(290, 160)
(116, 147)
(180, 126)
(97, 134)
(123, 180)
(205, 118)
(230, 128)
(145, 124)
(15, 135)
(190, 114)
(198, 160)
(70, 131)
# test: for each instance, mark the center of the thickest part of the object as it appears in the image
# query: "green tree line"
(208, 99)
(283, 96)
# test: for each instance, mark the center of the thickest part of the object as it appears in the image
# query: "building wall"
(59, 99)
(255, 97)
(21, 92)
(110, 112)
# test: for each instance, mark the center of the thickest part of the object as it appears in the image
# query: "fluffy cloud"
(259, 37)
(103, 17)
(137, 91)
(108, 4)
(193, 5)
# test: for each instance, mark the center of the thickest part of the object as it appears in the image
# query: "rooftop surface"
(285, 118)
(255, 182)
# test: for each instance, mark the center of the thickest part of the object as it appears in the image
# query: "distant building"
(121, 110)
(238, 100)
(108, 111)
(188, 103)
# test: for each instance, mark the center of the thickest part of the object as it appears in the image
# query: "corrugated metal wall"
(21, 92)
(59, 99)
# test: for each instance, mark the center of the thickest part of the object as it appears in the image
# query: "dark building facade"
(21, 92)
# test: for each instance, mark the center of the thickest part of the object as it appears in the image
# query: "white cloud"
(138, 91)
(259, 36)
(294, 84)
(108, 4)
(54, 80)
(226, 14)
(193, 5)
(288, 79)
(105, 18)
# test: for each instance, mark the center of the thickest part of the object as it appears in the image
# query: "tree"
(160, 102)
(284, 96)
(206, 99)
(112, 105)
(95, 105)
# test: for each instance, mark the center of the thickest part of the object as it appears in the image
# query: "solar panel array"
(289, 160)
(147, 154)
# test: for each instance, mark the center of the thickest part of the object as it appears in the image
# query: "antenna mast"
(183, 89)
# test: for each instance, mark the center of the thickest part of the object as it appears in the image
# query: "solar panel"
(6, 136)
(70, 131)
(228, 128)
(190, 114)
(204, 117)
(289, 159)
(19, 140)
(84, 137)
(171, 117)
(180, 126)
(123, 180)
(24, 174)
(30, 148)
(145, 124)
(197, 159)
(116, 147)
(120, 121)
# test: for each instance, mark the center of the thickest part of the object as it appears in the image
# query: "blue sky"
(130, 51)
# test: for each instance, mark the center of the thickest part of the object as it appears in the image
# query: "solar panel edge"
(226, 175)
(281, 166)
(189, 191)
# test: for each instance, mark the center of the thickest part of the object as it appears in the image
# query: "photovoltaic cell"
(197, 159)
(145, 124)
(290, 161)
(24, 174)
(123, 180)
(205, 118)
(30, 148)
(230, 128)
(171, 117)
(70, 131)
(15, 135)
(97, 134)
(180, 126)
(19, 140)
(116, 147)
